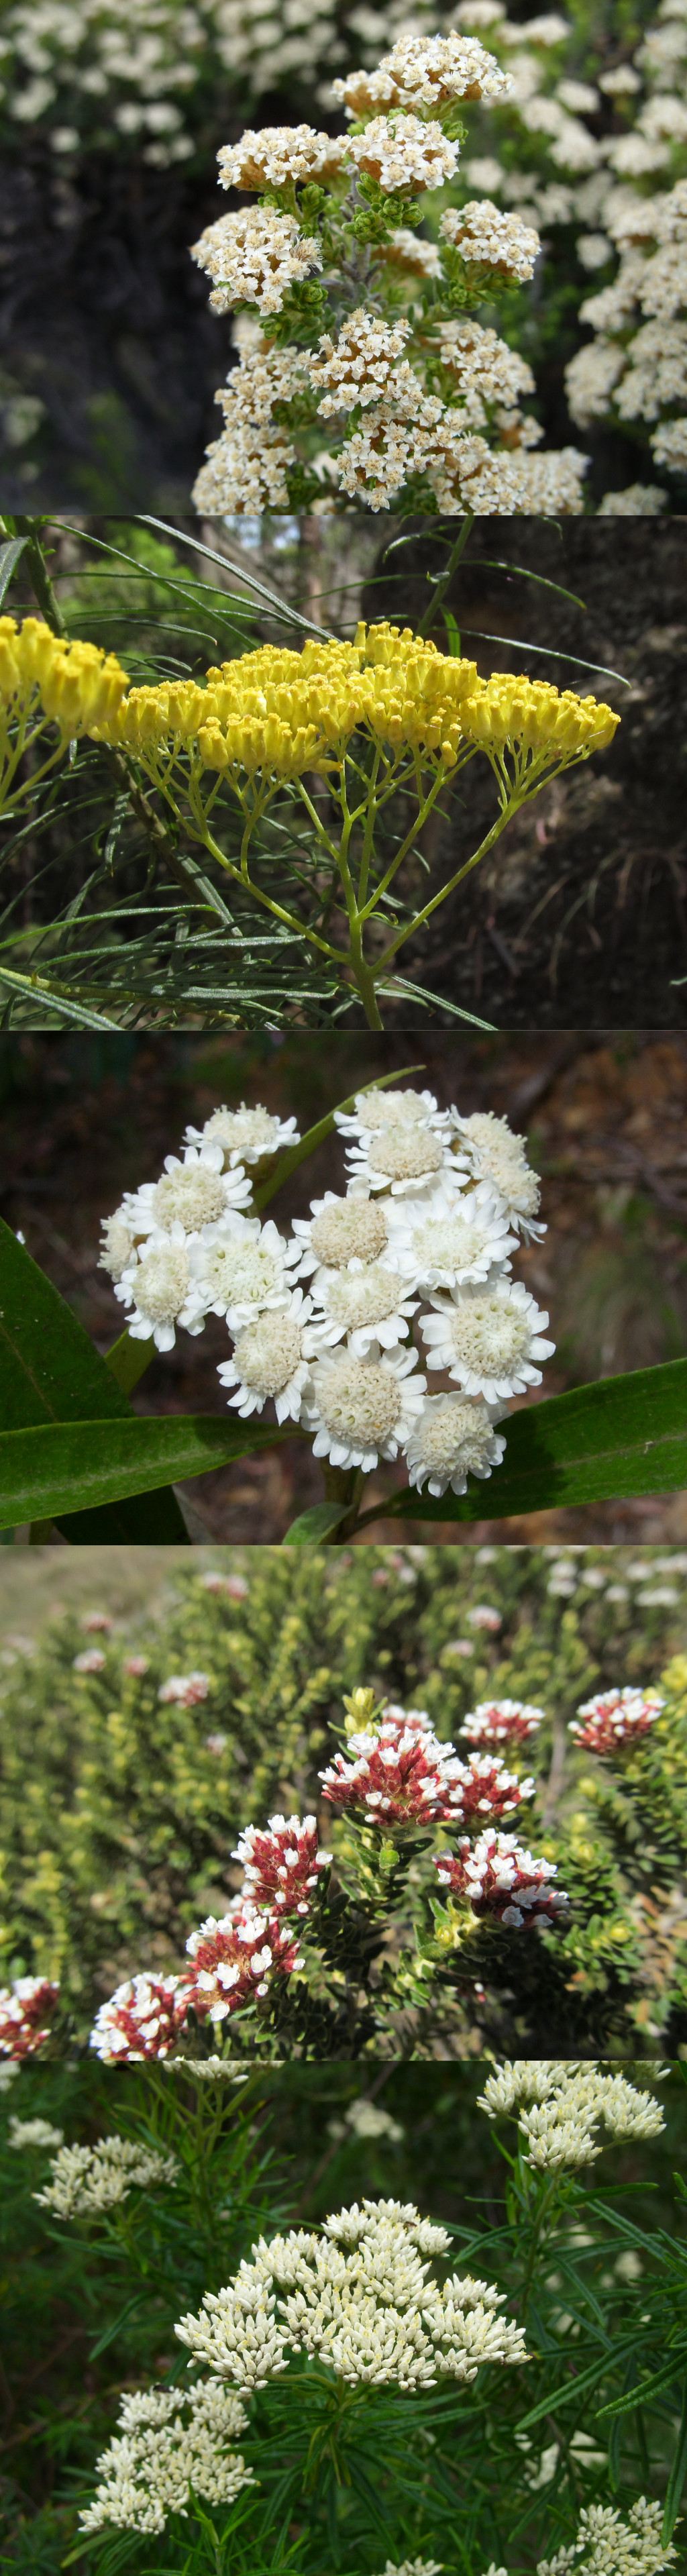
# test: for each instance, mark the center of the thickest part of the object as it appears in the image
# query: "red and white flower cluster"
(501, 1880)
(142, 2019)
(189, 1689)
(501, 1721)
(281, 1863)
(235, 1959)
(615, 1718)
(26, 2008)
(401, 1775)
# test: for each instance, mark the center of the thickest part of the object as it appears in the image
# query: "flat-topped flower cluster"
(356, 2297)
(560, 2107)
(322, 1320)
(344, 315)
(173, 2444)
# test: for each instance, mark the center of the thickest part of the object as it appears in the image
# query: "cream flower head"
(339, 1230)
(363, 1303)
(498, 1155)
(191, 1193)
(453, 1438)
(155, 1289)
(488, 1339)
(449, 1238)
(244, 1134)
(238, 1269)
(361, 1410)
(270, 1360)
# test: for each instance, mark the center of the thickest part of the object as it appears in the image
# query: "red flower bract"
(234, 1959)
(281, 1863)
(142, 2019)
(501, 1880)
(501, 1721)
(26, 2008)
(615, 1718)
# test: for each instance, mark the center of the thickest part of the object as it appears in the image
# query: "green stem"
(497, 828)
(39, 576)
(441, 587)
(343, 1485)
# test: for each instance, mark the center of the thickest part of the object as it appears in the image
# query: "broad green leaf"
(73, 1466)
(50, 1372)
(625, 1435)
(315, 1524)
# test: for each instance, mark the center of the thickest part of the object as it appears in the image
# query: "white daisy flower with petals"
(238, 1269)
(488, 1339)
(156, 1289)
(245, 1134)
(194, 1193)
(364, 1303)
(454, 1437)
(270, 1360)
(361, 1410)
(498, 1155)
(451, 1237)
(375, 1110)
(401, 1158)
(339, 1230)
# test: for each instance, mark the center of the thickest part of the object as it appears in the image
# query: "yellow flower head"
(529, 715)
(77, 686)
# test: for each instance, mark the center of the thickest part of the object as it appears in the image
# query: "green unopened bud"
(388, 1856)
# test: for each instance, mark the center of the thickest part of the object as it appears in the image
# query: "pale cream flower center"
(268, 1353)
(161, 1284)
(358, 1400)
(243, 1272)
(406, 1152)
(252, 1128)
(445, 1243)
(350, 1229)
(195, 1195)
(363, 1297)
(391, 1109)
(117, 1247)
(457, 1434)
(488, 1336)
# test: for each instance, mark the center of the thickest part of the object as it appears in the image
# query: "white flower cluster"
(358, 2297)
(607, 2546)
(88, 2179)
(173, 2445)
(33, 2133)
(559, 2108)
(404, 427)
(636, 369)
(433, 1211)
(254, 257)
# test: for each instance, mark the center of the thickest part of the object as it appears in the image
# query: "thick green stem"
(344, 1485)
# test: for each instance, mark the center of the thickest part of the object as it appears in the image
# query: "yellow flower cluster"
(288, 712)
(77, 686)
(529, 715)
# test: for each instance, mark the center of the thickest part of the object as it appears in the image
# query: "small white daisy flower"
(271, 1360)
(400, 1159)
(499, 1156)
(454, 1438)
(238, 1269)
(362, 1410)
(245, 1134)
(488, 1338)
(376, 1110)
(450, 1238)
(339, 1230)
(194, 1193)
(117, 1244)
(157, 1289)
(365, 1303)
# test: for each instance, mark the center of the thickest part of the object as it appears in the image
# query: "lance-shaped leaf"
(51, 1373)
(75, 1467)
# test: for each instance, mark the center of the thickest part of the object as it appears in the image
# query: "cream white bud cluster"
(461, 434)
(359, 2298)
(607, 2546)
(173, 2445)
(87, 2180)
(560, 2107)
(433, 1212)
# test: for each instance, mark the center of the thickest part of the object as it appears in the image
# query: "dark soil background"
(579, 918)
(85, 1118)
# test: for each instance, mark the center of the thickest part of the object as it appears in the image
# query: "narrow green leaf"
(677, 2476)
(10, 556)
(73, 1466)
(315, 1524)
(626, 1435)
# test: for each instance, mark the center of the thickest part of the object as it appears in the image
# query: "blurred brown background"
(85, 1118)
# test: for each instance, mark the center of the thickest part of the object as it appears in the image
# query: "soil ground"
(85, 1118)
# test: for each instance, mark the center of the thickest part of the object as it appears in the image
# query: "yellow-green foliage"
(118, 1820)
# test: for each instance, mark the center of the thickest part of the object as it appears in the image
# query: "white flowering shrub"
(350, 316)
(305, 2368)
